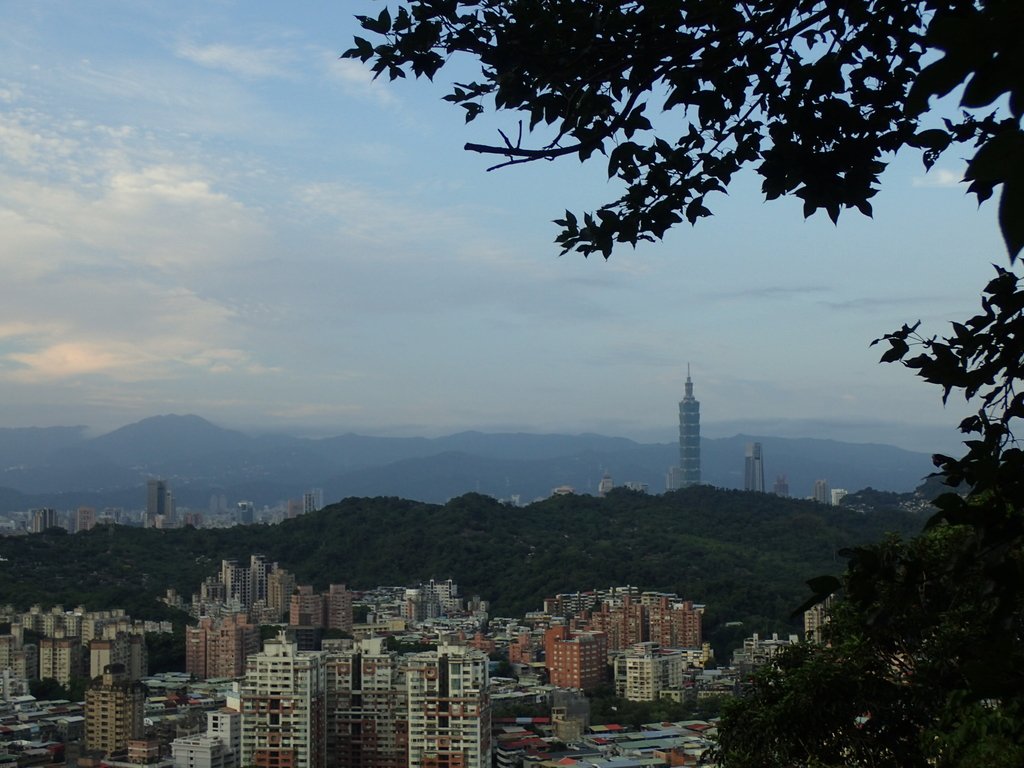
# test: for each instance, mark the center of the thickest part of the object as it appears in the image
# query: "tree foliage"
(745, 555)
(680, 95)
(925, 664)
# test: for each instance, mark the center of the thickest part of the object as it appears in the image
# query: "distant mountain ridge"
(56, 466)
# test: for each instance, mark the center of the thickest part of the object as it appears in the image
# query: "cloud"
(356, 79)
(240, 60)
(163, 216)
(939, 177)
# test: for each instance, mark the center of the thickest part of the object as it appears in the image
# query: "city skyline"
(206, 211)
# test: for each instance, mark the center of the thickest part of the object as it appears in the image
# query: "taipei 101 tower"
(688, 471)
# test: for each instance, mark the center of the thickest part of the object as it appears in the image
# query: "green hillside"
(745, 555)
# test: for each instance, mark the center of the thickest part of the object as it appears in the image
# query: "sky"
(204, 210)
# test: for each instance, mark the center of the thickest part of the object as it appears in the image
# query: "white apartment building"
(219, 747)
(644, 670)
(449, 709)
(283, 707)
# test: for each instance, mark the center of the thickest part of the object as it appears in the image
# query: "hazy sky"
(203, 210)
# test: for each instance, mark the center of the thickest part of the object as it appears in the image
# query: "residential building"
(367, 706)
(449, 709)
(312, 500)
(624, 624)
(128, 650)
(113, 711)
(674, 623)
(85, 519)
(646, 670)
(822, 492)
(43, 519)
(576, 659)
(61, 659)
(280, 585)
(339, 608)
(218, 747)
(781, 487)
(283, 707)
(220, 647)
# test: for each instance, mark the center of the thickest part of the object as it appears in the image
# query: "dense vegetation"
(745, 555)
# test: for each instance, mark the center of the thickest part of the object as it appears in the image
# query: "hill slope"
(745, 555)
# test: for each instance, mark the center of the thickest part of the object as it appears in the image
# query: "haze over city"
(205, 211)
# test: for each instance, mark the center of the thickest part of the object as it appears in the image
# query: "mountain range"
(63, 467)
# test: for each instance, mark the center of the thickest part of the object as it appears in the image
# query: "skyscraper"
(157, 502)
(753, 469)
(688, 471)
(822, 492)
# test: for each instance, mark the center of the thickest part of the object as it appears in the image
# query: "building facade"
(220, 647)
(113, 711)
(688, 471)
(753, 468)
(283, 707)
(449, 709)
(367, 706)
(576, 659)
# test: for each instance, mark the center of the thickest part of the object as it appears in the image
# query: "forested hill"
(745, 555)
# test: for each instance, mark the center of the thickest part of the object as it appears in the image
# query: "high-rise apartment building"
(675, 623)
(688, 471)
(85, 519)
(43, 519)
(781, 487)
(624, 624)
(753, 468)
(113, 711)
(280, 585)
(312, 500)
(128, 650)
(244, 584)
(449, 709)
(339, 608)
(367, 706)
(576, 659)
(283, 707)
(645, 670)
(61, 659)
(822, 492)
(220, 647)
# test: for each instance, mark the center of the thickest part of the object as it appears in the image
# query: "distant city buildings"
(159, 505)
(688, 471)
(838, 494)
(312, 500)
(822, 492)
(753, 468)
(43, 519)
(781, 487)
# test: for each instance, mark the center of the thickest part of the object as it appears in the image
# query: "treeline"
(745, 555)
